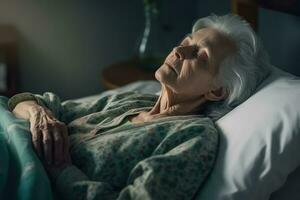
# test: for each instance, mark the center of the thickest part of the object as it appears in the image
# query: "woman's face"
(191, 67)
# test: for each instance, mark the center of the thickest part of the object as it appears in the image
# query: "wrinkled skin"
(188, 73)
(186, 77)
(49, 135)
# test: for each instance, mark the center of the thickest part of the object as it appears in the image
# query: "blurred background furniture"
(54, 53)
(122, 73)
(249, 9)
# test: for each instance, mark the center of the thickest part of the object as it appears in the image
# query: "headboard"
(275, 13)
(248, 9)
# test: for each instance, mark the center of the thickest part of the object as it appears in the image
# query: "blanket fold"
(22, 175)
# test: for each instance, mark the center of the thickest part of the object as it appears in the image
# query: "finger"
(36, 139)
(47, 145)
(50, 115)
(36, 134)
(58, 145)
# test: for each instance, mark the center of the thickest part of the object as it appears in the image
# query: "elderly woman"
(142, 146)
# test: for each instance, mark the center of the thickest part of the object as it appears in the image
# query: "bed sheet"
(22, 175)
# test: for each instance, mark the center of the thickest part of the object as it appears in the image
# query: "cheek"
(190, 72)
(197, 83)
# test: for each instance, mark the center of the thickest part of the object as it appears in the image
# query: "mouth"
(171, 67)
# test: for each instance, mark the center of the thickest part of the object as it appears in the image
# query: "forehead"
(219, 43)
(211, 36)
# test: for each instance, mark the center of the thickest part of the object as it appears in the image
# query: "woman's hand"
(49, 136)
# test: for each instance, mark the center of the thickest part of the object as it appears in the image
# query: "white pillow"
(260, 143)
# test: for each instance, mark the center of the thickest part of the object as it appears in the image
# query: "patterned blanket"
(168, 158)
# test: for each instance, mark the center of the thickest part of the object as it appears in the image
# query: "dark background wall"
(65, 44)
(281, 36)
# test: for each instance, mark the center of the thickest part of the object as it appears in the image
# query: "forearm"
(26, 109)
(48, 100)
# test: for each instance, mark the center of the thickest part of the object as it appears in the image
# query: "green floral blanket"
(168, 158)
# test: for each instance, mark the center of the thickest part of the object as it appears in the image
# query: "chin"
(165, 77)
(158, 75)
(161, 77)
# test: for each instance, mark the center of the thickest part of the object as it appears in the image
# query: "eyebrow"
(205, 43)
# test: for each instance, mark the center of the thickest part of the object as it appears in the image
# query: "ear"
(215, 95)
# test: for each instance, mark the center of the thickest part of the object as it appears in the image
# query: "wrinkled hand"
(49, 137)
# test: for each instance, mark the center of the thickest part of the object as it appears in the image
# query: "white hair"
(241, 72)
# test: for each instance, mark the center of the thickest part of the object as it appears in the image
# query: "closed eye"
(202, 54)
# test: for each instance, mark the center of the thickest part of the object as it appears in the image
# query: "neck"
(170, 104)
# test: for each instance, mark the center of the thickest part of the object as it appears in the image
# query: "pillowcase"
(259, 144)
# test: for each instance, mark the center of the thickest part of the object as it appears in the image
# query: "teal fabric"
(167, 158)
(22, 175)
